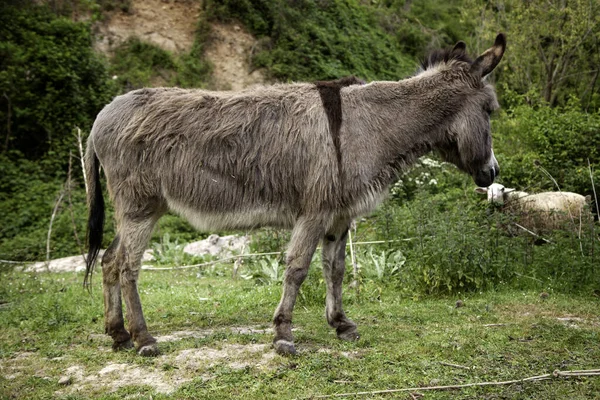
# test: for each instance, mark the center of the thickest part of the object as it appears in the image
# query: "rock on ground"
(223, 246)
(214, 245)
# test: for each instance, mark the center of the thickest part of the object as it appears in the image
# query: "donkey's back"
(224, 160)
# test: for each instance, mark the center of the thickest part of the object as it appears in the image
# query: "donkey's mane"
(444, 56)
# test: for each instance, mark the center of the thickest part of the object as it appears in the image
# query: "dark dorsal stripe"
(332, 103)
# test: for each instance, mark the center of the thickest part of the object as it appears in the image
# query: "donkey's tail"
(95, 201)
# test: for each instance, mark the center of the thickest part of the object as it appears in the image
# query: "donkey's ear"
(460, 47)
(485, 63)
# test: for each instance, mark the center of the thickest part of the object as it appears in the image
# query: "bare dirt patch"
(169, 371)
(235, 356)
(229, 50)
(169, 24)
(105, 340)
(165, 374)
(114, 376)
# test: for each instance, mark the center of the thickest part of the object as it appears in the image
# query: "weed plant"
(458, 242)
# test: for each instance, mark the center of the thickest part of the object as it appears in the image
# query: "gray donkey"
(306, 156)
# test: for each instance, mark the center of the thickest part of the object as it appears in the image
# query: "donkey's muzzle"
(486, 175)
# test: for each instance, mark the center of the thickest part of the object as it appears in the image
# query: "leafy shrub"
(304, 40)
(50, 81)
(426, 24)
(454, 241)
(135, 63)
(267, 270)
(381, 265)
(27, 197)
(561, 140)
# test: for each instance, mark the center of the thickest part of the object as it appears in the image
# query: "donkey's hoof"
(284, 347)
(149, 350)
(348, 333)
(124, 345)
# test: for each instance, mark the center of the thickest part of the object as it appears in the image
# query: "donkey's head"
(466, 140)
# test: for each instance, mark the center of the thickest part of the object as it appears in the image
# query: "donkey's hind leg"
(113, 309)
(305, 237)
(334, 266)
(134, 235)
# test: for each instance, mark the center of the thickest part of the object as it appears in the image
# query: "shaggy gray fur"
(266, 156)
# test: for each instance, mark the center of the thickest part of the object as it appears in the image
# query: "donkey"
(306, 156)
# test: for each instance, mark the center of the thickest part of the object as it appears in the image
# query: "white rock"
(223, 246)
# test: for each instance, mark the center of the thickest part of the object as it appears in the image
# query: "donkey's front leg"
(334, 266)
(305, 237)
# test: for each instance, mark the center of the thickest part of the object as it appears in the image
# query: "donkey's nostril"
(493, 174)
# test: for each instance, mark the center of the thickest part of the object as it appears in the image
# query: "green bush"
(306, 40)
(560, 140)
(453, 241)
(135, 64)
(423, 25)
(50, 81)
(27, 199)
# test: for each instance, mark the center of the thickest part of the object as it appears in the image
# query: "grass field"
(215, 338)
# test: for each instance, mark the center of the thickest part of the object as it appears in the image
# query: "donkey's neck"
(388, 125)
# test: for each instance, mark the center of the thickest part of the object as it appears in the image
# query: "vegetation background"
(527, 306)
(546, 136)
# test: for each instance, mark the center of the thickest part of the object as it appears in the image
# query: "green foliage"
(266, 271)
(553, 46)
(269, 240)
(454, 242)
(561, 140)
(170, 252)
(50, 81)
(111, 5)
(27, 198)
(304, 40)
(452, 249)
(424, 25)
(177, 228)
(381, 265)
(429, 174)
(136, 63)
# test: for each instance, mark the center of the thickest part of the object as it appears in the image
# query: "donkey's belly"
(248, 218)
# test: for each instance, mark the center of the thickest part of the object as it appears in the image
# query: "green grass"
(49, 323)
